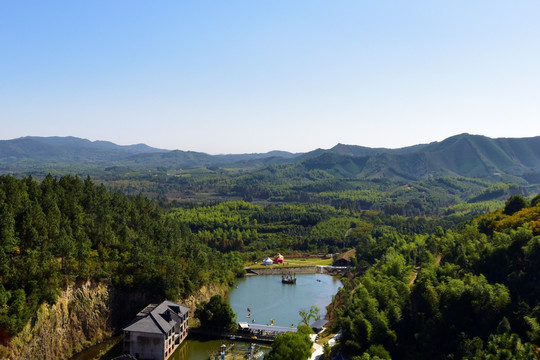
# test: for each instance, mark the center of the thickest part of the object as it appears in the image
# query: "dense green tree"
(327, 351)
(376, 352)
(447, 294)
(216, 314)
(535, 200)
(505, 347)
(514, 204)
(419, 288)
(61, 231)
(291, 346)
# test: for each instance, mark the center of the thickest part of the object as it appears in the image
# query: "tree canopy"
(60, 231)
(216, 314)
(514, 204)
(420, 287)
(292, 346)
(466, 293)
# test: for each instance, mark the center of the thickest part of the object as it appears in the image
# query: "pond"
(268, 299)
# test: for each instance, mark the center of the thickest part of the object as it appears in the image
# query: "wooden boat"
(288, 279)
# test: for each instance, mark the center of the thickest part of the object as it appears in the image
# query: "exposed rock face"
(80, 317)
(84, 315)
(203, 295)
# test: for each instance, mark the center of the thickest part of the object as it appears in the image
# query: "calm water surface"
(268, 299)
(196, 349)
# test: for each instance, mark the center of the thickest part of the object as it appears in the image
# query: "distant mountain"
(190, 159)
(504, 159)
(171, 159)
(243, 157)
(355, 150)
(74, 142)
(462, 155)
(67, 149)
(33, 152)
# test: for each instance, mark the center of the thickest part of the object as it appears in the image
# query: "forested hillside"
(254, 229)
(59, 232)
(422, 287)
(500, 160)
(470, 293)
(431, 179)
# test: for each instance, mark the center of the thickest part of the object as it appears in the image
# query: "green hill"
(462, 155)
(503, 160)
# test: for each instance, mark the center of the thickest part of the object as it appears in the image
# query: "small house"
(268, 261)
(345, 259)
(157, 331)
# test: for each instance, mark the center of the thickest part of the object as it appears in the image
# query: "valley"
(146, 225)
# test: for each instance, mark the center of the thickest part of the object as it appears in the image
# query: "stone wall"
(278, 270)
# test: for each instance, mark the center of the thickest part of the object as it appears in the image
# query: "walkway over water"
(269, 330)
(249, 332)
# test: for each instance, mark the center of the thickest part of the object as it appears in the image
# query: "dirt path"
(438, 260)
(414, 272)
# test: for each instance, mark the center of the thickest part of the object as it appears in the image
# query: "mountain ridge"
(464, 154)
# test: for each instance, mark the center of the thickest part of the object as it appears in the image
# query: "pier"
(247, 332)
(265, 333)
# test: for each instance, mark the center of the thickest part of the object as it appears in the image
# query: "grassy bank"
(295, 262)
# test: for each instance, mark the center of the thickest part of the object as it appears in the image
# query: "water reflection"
(200, 349)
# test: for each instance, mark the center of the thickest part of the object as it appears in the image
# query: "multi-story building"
(157, 331)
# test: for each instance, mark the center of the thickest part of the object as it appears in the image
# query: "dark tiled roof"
(319, 324)
(157, 319)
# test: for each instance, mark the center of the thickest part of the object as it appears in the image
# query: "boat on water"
(288, 278)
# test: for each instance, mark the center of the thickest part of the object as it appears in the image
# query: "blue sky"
(254, 76)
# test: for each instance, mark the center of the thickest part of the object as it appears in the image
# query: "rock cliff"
(84, 315)
(80, 318)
